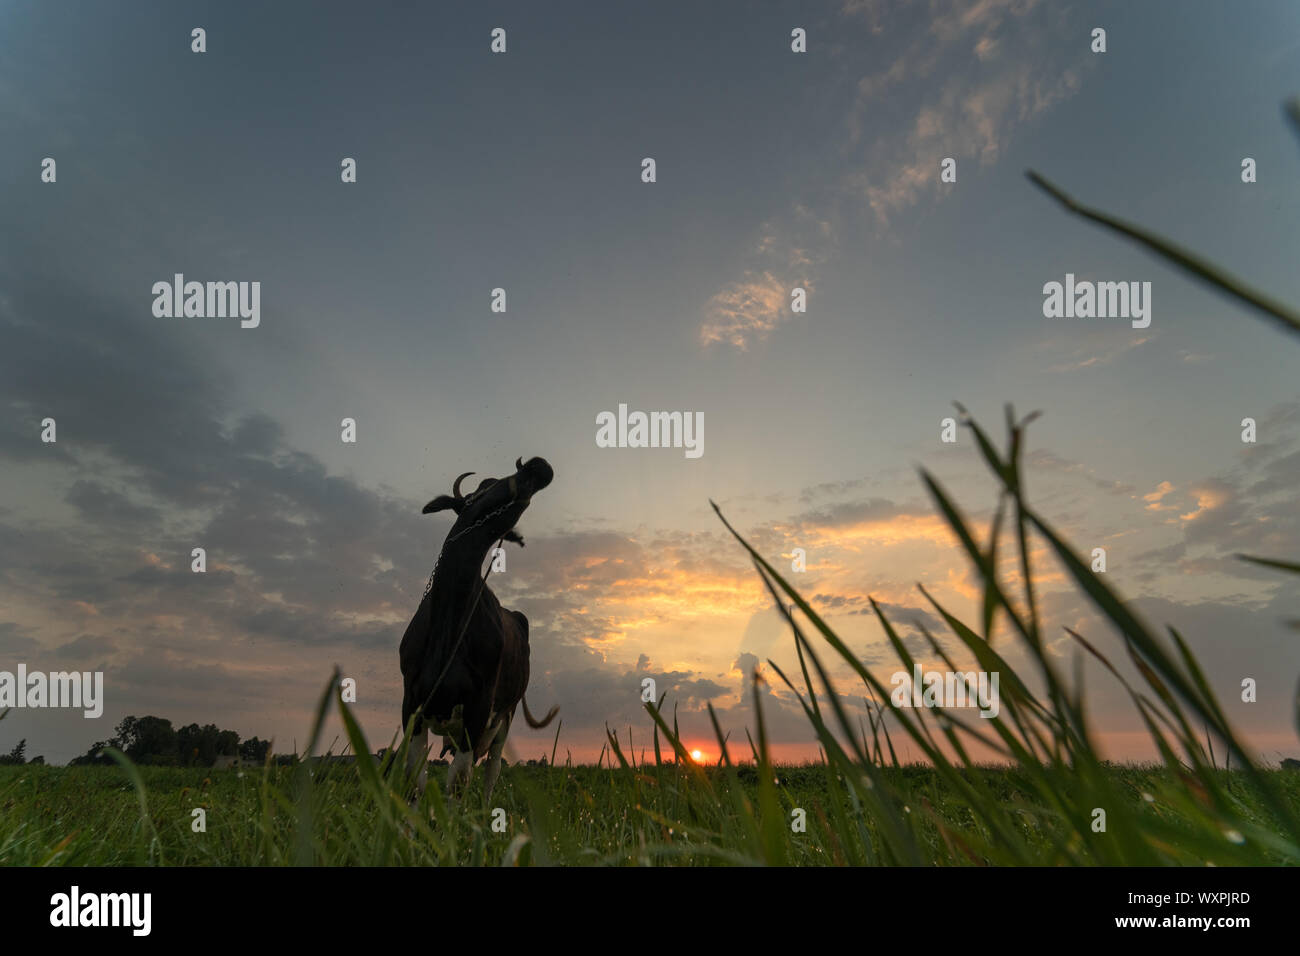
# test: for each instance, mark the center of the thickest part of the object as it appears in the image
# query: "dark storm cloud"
(852, 512)
(15, 642)
(96, 502)
(84, 647)
(142, 438)
(20, 431)
(115, 383)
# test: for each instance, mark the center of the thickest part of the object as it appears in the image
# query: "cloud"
(1279, 475)
(96, 501)
(785, 257)
(1209, 496)
(871, 11)
(1249, 509)
(1005, 67)
(747, 310)
(1087, 356)
(1041, 460)
(15, 641)
(86, 646)
(303, 566)
(1155, 498)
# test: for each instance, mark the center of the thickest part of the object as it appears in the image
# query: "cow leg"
(494, 758)
(458, 776)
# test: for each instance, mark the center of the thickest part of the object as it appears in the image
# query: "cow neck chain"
(456, 537)
(478, 591)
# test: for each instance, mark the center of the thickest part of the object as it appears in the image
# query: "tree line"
(19, 755)
(153, 740)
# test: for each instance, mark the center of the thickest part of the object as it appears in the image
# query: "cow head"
(491, 510)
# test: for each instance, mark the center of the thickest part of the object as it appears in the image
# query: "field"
(568, 816)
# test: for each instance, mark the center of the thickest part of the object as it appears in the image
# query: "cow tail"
(533, 721)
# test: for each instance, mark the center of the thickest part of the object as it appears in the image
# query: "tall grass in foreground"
(1195, 815)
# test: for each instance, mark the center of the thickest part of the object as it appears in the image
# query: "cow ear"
(514, 536)
(442, 503)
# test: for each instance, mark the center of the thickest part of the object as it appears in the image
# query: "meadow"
(655, 814)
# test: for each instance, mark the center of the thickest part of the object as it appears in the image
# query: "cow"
(464, 657)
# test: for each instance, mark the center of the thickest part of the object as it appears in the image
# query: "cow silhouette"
(464, 657)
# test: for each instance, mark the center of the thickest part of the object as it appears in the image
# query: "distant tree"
(145, 737)
(152, 740)
(254, 751)
(95, 755)
(196, 747)
(17, 754)
(227, 743)
(188, 744)
(200, 746)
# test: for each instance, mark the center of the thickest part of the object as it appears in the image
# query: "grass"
(90, 816)
(1044, 805)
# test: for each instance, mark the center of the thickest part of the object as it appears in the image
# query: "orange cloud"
(1207, 499)
(1155, 498)
(747, 310)
(884, 532)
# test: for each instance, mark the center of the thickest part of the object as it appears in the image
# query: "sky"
(523, 170)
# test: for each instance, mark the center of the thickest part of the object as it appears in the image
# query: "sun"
(696, 756)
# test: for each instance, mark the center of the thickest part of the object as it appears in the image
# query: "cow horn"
(455, 486)
(519, 464)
